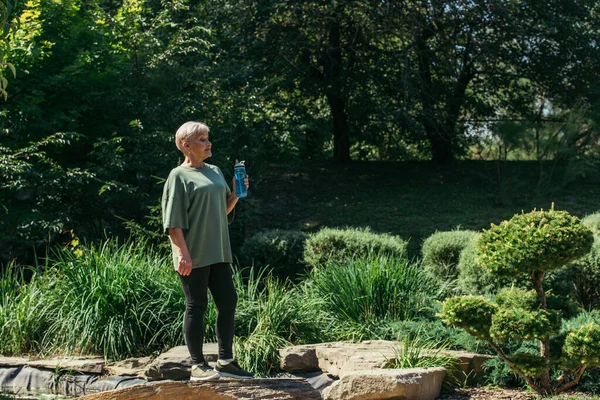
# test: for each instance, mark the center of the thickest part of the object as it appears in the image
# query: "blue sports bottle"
(240, 174)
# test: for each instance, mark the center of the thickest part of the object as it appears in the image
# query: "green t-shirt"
(195, 200)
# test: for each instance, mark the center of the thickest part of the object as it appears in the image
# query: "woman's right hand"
(185, 265)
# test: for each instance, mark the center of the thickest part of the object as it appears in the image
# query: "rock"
(341, 358)
(225, 389)
(404, 384)
(318, 380)
(176, 363)
(470, 366)
(298, 359)
(13, 361)
(130, 366)
(91, 365)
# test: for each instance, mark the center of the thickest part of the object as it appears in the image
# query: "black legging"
(217, 278)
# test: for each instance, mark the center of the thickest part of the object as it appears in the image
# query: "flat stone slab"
(225, 389)
(176, 363)
(13, 361)
(341, 358)
(90, 365)
(130, 366)
(405, 384)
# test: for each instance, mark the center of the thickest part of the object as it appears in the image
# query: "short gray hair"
(190, 131)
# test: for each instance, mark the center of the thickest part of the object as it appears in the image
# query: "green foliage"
(536, 241)
(583, 277)
(472, 313)
(342, 244)
(115, 300)
(472, 278)
(435, 331)
(416, 352)
(522, 324)
(7, 28)
(441, 253)
(21, 322)
(359, 294)
(592, 221)
(271, 315)
(583, 345)
(281, 250)
(530, 364)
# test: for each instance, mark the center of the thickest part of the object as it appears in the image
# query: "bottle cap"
(239, 164)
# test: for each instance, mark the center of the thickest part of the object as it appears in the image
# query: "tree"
(7, 27)
(526, 247)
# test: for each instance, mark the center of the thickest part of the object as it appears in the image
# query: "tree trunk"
(335, 96)
(440, 141)
(341, 129)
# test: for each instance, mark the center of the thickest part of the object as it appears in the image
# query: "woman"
(195, 204)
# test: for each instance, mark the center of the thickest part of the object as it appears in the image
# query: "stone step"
(275, 388)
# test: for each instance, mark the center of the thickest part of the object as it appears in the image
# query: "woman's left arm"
(233, 199)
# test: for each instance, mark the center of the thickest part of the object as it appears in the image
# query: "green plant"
(271, 315)
(341, 244)
(416, 352)
(592, 221)
(281, 250)
(358, 294)
(441, 252)
(582, 277)
(473, 279)
(21, 320)
(526, 247)
(115, 300)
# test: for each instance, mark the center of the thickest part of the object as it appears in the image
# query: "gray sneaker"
(203, 372)
(232, 370)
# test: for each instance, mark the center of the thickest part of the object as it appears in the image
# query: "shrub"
(526, 247)
(115, 300)
(270, 315)
(441, 252)
(281, 250)
(342, 244)
(583, 277)
(21, 322)
(537, 241)
(473, 279)
(592, 221)
(360, 293)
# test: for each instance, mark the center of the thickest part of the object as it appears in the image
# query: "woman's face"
(199, 148)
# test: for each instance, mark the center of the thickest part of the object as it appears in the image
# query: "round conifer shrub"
(340, 244)
(280, 250)
(592, 221)
(441, 253)
(536, 241)
(473, 279)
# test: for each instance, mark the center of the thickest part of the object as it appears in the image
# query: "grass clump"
(21, 322)
(115, 300)
(342, 244)
(271, 315)
(415, 352)
(279, 249)
(358, 294)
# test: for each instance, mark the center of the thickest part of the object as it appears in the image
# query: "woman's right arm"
(185, 261)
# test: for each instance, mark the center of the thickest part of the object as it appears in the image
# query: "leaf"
(12, 69)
